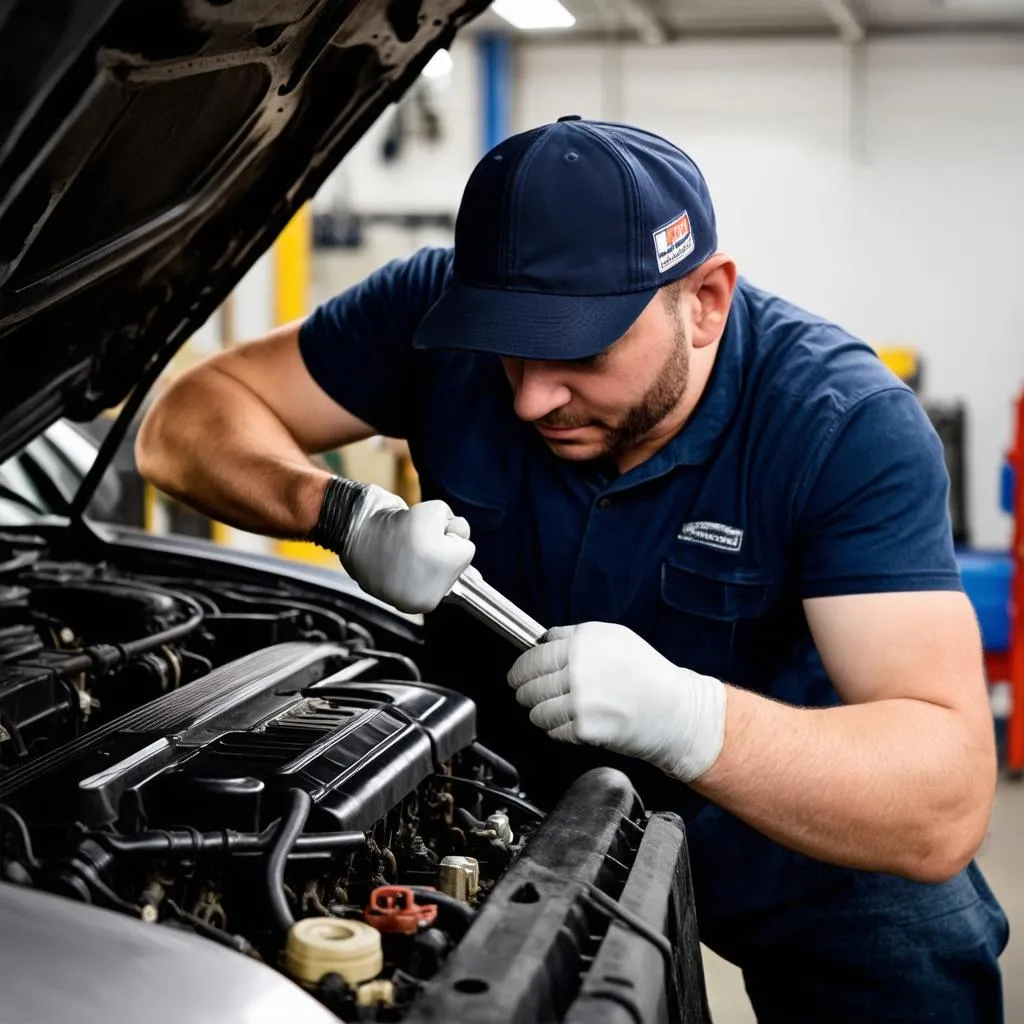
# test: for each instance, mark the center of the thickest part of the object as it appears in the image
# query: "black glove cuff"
(340, 502)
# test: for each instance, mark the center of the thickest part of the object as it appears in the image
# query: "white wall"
(428, 176)
(883, 188)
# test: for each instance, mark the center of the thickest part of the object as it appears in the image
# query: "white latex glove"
(601, 684)
(408, 557)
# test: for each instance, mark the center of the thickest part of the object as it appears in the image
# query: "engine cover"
(222, 751)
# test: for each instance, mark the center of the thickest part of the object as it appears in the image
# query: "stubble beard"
(659, 400)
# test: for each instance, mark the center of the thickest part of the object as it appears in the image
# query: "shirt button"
(604, 502)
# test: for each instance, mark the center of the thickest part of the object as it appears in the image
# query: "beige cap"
(322, 945)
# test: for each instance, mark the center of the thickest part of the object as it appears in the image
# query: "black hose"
(299, 806)
(165, 636)
(459, 916)
(107, 656)
(501, 795)
(356, 630)
(22, 828)
(188, 842)
(505, 772)
(324, 841)
(466, 820)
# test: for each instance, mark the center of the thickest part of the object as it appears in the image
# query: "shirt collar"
(695, 443)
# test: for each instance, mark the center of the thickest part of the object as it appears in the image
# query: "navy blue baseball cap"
(563, 236)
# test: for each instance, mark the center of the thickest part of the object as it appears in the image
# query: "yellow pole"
(291, 268)
(291, 302)
(149, 507)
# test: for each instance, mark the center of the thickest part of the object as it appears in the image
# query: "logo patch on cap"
(673, 242)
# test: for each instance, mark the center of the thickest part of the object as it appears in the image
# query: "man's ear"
(713, 284)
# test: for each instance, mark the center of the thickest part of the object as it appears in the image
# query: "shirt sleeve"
(876, 513)
(358, 345)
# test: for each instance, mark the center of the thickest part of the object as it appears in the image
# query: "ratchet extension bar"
(492, 608)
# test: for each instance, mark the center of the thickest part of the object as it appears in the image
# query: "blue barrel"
(986, 576)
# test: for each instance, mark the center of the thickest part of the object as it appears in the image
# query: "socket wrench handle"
(491, 607)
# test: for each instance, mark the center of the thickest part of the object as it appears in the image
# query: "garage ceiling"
(663, 20)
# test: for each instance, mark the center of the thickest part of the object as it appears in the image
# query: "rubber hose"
(506, 773)
(502, 796)
(291, 826)
(85, 663)
(190, 843)
(460, 914)
(466, 820)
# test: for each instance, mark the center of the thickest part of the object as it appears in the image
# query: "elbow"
(941, 864)
(952, 839)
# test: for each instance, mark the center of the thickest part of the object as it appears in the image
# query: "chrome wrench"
(492, 608)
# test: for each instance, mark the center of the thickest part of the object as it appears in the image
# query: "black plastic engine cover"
(222, 751)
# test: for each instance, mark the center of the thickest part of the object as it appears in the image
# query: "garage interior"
(865, 158)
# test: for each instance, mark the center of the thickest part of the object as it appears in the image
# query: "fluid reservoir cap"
(322, 945)
(393, 908)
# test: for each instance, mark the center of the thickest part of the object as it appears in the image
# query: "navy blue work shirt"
(807, 470)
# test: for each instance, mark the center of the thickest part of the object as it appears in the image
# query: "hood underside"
(150, 151)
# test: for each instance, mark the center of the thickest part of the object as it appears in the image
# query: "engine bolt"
(498, 823)
(149, 914)
(67, 635)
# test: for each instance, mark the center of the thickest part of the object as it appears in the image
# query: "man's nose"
(538, 391)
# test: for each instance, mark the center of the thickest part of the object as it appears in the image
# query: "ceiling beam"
(644, 21)
(979, 30)
(845, 18)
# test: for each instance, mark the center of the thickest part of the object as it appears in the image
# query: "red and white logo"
(673, 242)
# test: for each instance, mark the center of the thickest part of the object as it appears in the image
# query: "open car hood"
(150, 151)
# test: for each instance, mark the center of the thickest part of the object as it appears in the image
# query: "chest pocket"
(716, 621)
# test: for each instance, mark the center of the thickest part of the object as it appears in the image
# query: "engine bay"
(241, 761)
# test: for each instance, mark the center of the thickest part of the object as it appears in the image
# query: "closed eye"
(588, 361)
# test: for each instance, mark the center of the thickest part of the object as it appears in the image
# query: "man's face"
(607, 405)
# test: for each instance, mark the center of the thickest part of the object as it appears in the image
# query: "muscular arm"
(232, 436)
(901, 778)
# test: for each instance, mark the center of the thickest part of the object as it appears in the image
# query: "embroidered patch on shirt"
(673, 242)
(712, 535)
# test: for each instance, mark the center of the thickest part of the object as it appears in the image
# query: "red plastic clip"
(393, 908)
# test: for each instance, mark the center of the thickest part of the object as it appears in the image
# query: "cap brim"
(528, 325)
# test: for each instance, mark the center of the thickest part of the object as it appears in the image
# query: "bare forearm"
(892, 785)
(212, 444)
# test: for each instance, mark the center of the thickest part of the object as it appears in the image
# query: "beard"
(657, 402)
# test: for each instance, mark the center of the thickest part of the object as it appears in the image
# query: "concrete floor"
(1000, 859)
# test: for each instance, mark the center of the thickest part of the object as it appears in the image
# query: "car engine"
(238, 759)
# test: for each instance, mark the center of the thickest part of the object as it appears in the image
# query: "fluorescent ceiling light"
(533, 14)
(985, 6)
(439, 65)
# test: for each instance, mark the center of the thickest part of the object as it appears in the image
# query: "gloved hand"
(601, 684)
(408, 557)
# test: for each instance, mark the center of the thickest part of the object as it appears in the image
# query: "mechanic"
(734, 514)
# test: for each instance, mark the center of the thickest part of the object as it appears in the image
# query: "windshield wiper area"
(19, 499)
